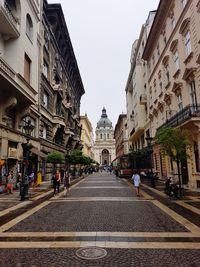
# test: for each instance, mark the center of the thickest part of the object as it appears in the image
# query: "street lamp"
(150, 152)
(28, 128)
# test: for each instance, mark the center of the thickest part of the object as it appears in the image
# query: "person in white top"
(136, 181)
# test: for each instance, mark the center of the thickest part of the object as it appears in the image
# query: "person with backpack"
(56, 182)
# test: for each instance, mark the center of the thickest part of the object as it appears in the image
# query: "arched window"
(25, 121)
(29, 27)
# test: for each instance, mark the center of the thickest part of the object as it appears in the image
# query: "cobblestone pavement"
(103, 211)
(115, 257)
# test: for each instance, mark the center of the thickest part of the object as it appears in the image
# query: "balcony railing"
(9, 13)
(9, 25)
(183, 115)
(6, 68)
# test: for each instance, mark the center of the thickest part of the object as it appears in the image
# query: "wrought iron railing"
(10, 14)
(182, 116)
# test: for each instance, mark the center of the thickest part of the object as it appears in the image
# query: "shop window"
(196, 155)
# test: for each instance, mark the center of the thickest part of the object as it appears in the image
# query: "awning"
(34, 150)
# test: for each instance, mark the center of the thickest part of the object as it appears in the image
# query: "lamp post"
(28, 128)
(150, 152)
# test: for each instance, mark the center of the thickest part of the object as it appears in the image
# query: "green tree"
(55, 157)
(174, 142)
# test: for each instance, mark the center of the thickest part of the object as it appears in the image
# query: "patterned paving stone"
(114, 258)
(104, 192)
(195, 204)
(100, 216)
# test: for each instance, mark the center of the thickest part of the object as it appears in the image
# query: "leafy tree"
(174, 142)
(55, 157)
(138, 157)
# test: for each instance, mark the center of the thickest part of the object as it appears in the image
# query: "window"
(10, 118)
(176, 60)
(29, 27)
(27, 68)
(101, 136)
(179, 100)
(25, 122)
(158, 51)
(188, 47)
(173, 22)
(44, 134)
(45, 99)
(166, 69)
(196, 155)
(193, 94)
(183, 2)
(45, 69)
(108, 136)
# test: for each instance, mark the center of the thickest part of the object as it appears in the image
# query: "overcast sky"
(102, 33)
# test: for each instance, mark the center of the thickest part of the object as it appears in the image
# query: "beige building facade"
(136, 91)
(172, 53)
(87, 136)
(19, 78)
(40, 85)
(121, 136)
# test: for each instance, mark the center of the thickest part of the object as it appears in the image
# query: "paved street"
(104, 211)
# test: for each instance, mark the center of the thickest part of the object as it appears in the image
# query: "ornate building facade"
(167, 62)
(121, 136)
(61, 85)
(19, 80)
(87, 137)
(40, 84)
(104, 147)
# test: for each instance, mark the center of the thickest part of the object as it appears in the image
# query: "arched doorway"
(105, 157)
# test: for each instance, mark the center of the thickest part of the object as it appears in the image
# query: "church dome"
(104, 121)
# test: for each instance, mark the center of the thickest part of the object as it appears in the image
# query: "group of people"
(58, 178)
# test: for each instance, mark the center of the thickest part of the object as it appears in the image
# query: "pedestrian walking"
(31, 178)
(10, 183)
(56, 182)
(66, 183)
(136, 181)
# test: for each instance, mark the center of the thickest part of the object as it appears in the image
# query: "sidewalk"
(10, 203)
(160, 186)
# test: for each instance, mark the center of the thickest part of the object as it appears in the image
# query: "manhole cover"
(91, 253)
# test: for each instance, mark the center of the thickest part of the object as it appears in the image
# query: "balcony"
(143, 99)
(14, 84)
(9, 23)
(57, 119)
(190, 111)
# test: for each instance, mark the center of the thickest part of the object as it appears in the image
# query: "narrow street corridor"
(101, 211)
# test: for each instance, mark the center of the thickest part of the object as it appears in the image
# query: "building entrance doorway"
(105, 157)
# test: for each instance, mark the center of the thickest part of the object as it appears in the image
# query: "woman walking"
(136, 181)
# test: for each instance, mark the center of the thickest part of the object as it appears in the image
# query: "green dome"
(104, 121)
